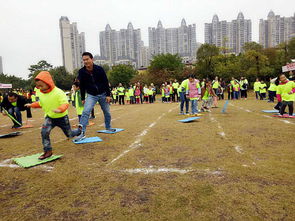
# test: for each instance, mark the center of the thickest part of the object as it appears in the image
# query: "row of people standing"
(134, 94)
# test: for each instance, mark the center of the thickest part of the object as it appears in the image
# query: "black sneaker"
(111, 130)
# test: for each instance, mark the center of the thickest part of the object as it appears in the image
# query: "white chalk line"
(10, 164)
(137, 143)
(237, 148)
(266, 116)
(159, 170)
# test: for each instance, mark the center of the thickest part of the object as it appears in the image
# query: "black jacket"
(20, 103)
(94, 83)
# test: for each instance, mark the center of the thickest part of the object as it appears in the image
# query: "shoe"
(16, 126)
(111, 130)
(45, 155)
(82, 136)
(181, 113)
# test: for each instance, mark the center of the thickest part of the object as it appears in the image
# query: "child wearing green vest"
(54, 103)
(114, 95)
(77, 101)
(127, 96)
(272, 91)
(256, 88)
(262, 90)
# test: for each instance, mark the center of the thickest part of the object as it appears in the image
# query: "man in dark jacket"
(93, 81)
(14, 104)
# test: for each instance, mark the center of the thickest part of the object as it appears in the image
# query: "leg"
(105, 107)
(45, 132)
(291, 108)
(181, 101)
(186, 105)
(64, 124)
(88, 106)
(283, 107)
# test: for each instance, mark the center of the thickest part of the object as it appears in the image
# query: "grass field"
(234, 166)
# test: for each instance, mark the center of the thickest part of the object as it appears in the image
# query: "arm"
(82, 86)
(64, 103)
(105, 82)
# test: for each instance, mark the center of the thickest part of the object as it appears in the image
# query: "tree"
(121, 74)
(106, 68)
(16, 82)
(165, 67)
(291, 48)
(252, 46)
(62, 78)
(255, 64)
(205, 56)
(40, 66)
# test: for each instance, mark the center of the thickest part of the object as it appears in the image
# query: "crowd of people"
(91, 87)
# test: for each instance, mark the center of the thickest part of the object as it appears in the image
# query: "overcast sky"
(29, 29)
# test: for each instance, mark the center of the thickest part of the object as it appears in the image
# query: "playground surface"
(237, 165)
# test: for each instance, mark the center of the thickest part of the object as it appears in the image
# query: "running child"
(54, 103)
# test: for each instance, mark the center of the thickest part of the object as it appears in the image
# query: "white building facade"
(73, 44)
(276, 29)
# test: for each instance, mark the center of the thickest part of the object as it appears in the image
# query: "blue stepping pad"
(89, 140)
(110, 132)
(270, 111)
(190, 119)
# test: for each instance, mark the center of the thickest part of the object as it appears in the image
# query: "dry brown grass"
(256, 184)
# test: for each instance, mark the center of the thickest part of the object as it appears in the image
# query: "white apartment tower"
(121, 45)
(230, 35)
(181, 40)
(276, 29)
(73, 44)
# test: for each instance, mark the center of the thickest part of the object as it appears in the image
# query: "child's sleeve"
(35, 105)
(63, 101)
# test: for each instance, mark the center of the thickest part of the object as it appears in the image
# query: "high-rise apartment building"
(230, 35)
(73, 44)
(122, 45)
(276, 29)
(181, 40)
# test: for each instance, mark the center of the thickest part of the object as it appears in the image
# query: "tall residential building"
(276, 29)
(181, 40)
(230, 35)
(123, 45)
(1, 65)
(72, 43)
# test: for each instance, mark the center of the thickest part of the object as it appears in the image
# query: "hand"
(108, 99)
(57, 111)
(4, 114)
(291, 92)
(28, 105)
(83, 102)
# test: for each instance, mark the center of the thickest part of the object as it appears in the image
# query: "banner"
(289, 67)
(5, 85)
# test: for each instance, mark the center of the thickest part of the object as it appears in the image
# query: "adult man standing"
(93, 81)
(14, 104)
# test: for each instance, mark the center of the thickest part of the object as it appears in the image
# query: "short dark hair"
(76, 83)
(12, 94)
(87, 54)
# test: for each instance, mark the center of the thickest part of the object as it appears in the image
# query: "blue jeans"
(88, 106)
(194, 106)
(236, 95)
(15, 112)
(183, 100)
